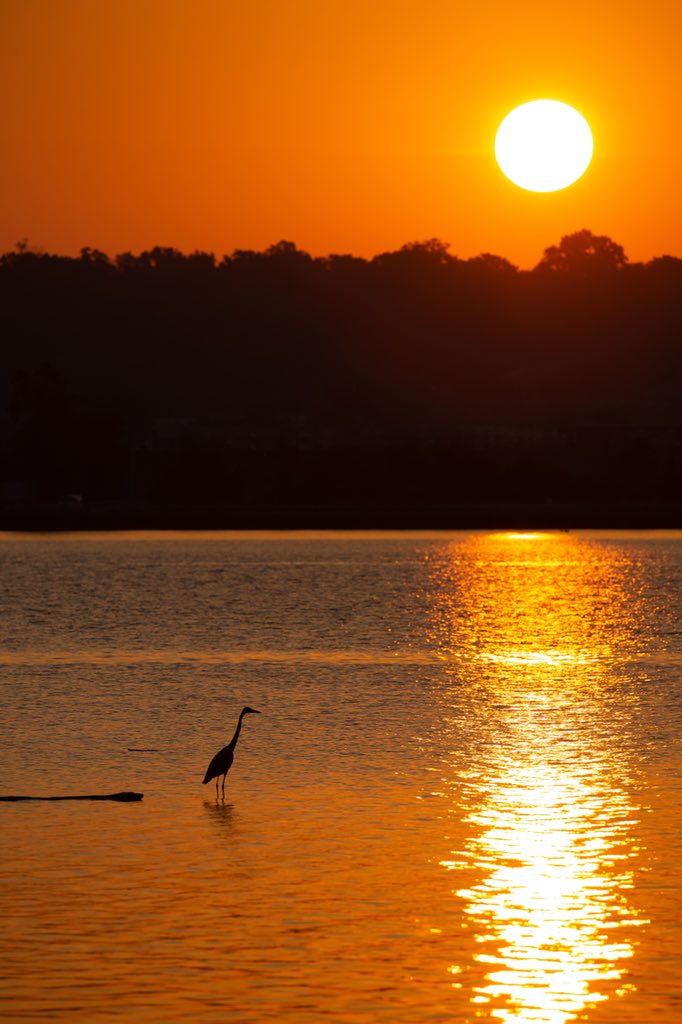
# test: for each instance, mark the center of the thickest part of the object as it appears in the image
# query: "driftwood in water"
(123, 797)
(144, 750)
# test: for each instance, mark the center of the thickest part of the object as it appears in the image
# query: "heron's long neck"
(233, 741)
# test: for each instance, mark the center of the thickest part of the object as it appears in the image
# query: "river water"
(461, 800)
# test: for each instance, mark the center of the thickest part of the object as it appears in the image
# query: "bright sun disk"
(544, 146)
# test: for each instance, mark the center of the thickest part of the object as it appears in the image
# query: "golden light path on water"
(544, 822)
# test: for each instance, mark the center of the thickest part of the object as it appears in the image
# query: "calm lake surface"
(461, 801)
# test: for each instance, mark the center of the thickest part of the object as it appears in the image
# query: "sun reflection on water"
(545, 824)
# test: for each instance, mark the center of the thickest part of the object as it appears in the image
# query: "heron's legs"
(224, 777)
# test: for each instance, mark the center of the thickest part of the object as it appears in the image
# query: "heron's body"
(222, 762)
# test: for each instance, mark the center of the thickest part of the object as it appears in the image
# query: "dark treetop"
(273, 378)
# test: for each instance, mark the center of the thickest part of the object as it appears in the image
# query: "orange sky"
(342, 125)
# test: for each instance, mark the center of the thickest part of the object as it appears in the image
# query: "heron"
(222, 762)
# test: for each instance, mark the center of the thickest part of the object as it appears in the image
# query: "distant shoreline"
(53, 518)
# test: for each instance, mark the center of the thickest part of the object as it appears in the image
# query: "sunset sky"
(342, 125)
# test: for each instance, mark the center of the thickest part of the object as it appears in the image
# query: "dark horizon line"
(433, 247)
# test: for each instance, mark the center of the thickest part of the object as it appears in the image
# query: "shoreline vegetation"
(106, 517)
(277, 390)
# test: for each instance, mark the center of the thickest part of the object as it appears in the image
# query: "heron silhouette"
(222, 762)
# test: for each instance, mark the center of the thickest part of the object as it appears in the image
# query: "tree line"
(275, 376)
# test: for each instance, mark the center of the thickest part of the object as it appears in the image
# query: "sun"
(544, 146)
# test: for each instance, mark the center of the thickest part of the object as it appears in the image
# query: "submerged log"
(125, 797)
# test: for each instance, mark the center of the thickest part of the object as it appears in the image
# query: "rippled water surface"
(461, 800)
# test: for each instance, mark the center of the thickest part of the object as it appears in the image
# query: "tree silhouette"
(280, 377)
(583, 253)
(488, 261)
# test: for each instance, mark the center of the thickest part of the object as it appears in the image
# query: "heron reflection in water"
(222, 762)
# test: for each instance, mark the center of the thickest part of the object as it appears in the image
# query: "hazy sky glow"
(344, 126)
